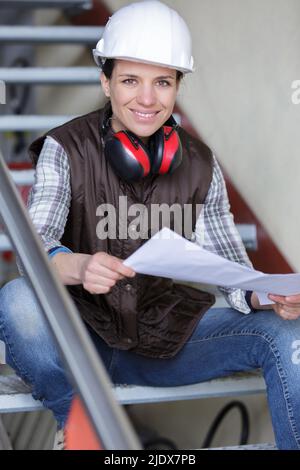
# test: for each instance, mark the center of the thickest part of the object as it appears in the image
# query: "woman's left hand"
(287, 307)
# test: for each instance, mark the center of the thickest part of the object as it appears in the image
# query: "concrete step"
(36, 122)
(15, 395)
(262, 446)
(50, 75)
(50, 34)
(61, 4)
(28, 122)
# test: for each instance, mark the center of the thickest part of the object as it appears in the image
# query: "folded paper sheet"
(167, 254)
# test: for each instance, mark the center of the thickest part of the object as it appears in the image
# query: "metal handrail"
(80, 356)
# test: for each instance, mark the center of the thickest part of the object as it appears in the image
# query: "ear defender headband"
(132, 160)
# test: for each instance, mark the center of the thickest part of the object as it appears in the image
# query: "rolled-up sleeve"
(50, 196)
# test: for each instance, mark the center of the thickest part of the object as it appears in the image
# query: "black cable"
(220, 416)
(159, 443)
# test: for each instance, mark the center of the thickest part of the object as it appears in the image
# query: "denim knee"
(24, 330)
(20, 312)
(282, 338)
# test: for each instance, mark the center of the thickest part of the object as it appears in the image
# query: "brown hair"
(109, 64)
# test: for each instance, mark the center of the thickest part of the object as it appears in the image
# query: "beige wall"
(239, 100)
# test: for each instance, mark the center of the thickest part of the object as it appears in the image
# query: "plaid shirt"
(50, 198)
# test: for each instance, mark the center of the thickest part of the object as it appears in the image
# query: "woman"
(147, 330)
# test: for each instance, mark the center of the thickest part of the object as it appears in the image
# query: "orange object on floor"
(79, 432)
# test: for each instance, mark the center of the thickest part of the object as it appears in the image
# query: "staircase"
(14, 394)
(65, 5)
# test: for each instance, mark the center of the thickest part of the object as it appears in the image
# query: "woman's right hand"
(100, 272)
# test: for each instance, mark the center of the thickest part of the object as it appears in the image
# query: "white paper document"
(167, 254)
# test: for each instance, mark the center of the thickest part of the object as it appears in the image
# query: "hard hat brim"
(100, 60)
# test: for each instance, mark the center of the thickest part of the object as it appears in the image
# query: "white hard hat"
(147, 31)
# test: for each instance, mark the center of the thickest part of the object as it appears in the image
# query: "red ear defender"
(127, 155)
(132, 160)
(166, 150)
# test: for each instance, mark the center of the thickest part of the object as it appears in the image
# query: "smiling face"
(142, 96)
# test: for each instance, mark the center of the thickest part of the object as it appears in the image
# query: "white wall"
(239, 100)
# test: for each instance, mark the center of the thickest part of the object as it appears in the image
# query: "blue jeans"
(224, 342)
